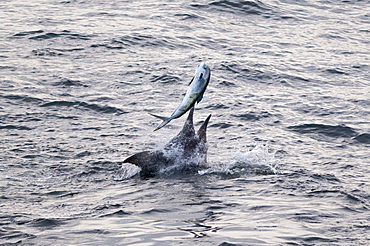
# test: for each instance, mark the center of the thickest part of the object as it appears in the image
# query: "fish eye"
(201, 76)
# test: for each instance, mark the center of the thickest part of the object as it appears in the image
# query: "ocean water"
(289, 137)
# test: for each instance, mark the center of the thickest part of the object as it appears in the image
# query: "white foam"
(257, 160)
(127, 171)
(176, 154)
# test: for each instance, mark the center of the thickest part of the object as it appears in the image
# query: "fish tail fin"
(166, 120)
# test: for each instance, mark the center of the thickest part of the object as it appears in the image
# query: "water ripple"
(339, 131)
(84, 105)
(241, 7)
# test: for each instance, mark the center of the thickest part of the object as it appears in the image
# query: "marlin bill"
(197, 87)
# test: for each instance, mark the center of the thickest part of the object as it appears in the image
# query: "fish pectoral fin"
(191, 81)
(200, 98)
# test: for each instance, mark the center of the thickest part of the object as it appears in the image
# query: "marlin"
(194, 94)
(187, 151)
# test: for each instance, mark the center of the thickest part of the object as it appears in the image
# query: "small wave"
(237, 71)
(188, 16)
(241, 7)
(363, 138)
(107, 206)
(9, 234)
(13, 127)
(147, 41)
(58, 193)
(216, 106)
(261, 76)
(108, 46)
(26, 33)
(142, 41)
(234, 68)
(325, 177)
(335, 71)
(363, 103)
(11, 68)
(52, 35)
(69, 83)
(118, 213)
(94, 107)
(252, 116)
(23, 98)
(339, 131)
(227, 84)
(166, 79)
(53, 52)
(45, 36)
(46, 52)
(221, 125)
(47, 224)
(331, 36)
(258, 161)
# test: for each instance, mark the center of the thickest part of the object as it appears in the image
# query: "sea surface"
(289, 137)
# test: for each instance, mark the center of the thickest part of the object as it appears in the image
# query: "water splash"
(183, 161)
(259, 160)
(127, 171)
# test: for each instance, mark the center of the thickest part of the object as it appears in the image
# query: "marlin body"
(185, 152)
(193, 95)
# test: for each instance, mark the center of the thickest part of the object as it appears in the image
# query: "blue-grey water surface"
(289, 92)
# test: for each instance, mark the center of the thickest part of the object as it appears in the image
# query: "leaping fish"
(194, 94)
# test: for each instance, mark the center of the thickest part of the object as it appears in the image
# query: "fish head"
(202, 72)
(202, 65)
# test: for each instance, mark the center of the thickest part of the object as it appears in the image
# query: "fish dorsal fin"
(186, 134)
(203, 129)
(188, 127)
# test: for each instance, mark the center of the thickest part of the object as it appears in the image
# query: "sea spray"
(259, 160)
(127, 171)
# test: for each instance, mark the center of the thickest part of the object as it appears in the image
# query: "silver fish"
(197, 87)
